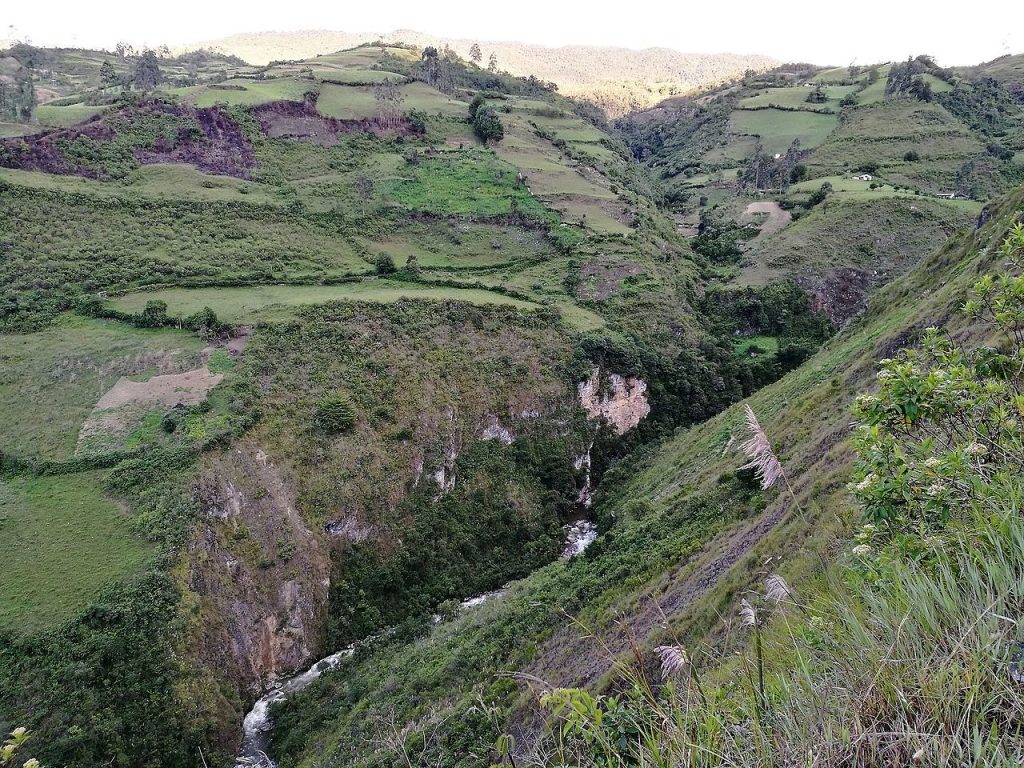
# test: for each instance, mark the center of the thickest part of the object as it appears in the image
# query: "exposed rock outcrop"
(622, 404)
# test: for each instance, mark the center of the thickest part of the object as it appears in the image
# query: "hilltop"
(617, 79)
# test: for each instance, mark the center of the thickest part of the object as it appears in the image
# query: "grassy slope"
(882, 235)
(883, 133)
(52, 525)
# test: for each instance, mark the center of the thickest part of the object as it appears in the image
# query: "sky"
(822, 32)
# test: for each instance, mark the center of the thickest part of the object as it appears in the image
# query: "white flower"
(32, 763)
(931, 462)
(869, 528)
(862, 550)
(673, 660)
(976, 449)
(867, 482)
(776, 589)
(935, 489)
(883, 375)
(748, 613)
(19, 733)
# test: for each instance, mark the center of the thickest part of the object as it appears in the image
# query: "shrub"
(385, 265)
(911, 156)
(154, 314)
(335, 413)
(487, 126)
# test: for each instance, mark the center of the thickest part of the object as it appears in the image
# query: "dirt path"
(774, 220)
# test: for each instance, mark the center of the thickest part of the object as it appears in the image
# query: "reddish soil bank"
(209, 139)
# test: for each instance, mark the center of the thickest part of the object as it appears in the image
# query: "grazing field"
(795, 97)
(246, 92)
(753, 346)
(159, 181)
(63, 541)
(52, 378)
(880, 236)
(63, 117)
(777, 128)
(875, 92)
(355, 102)
(461, 246)
(472, 182)
(271, 302)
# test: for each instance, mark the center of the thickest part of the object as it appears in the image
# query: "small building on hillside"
(864, 177)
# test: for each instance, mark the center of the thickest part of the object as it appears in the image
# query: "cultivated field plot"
(777, 128)
(579, 193)
(364, 57)
(64, 540)
(53, 378)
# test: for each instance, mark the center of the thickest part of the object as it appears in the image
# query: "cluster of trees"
(764, 171)
(18, 97)
(145, 76)
(907, 79)
(388, 95)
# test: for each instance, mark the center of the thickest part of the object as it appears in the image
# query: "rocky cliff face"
(258, 576)
(622, 403)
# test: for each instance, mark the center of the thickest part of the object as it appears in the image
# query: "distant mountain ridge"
(619, 79)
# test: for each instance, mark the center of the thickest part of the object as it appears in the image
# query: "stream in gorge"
(256, 728)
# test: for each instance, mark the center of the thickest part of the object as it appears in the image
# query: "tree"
(475, 54)
(430, 65)
(487, 126)
(921, 89)
(384, 264)
(492, 63)
(24, 96)
(108, 75)
(147, 72)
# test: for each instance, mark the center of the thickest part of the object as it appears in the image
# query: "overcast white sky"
(824, 31)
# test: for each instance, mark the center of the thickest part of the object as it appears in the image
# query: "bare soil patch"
(771, 215)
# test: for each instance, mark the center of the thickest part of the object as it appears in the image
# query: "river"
(256, 728)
